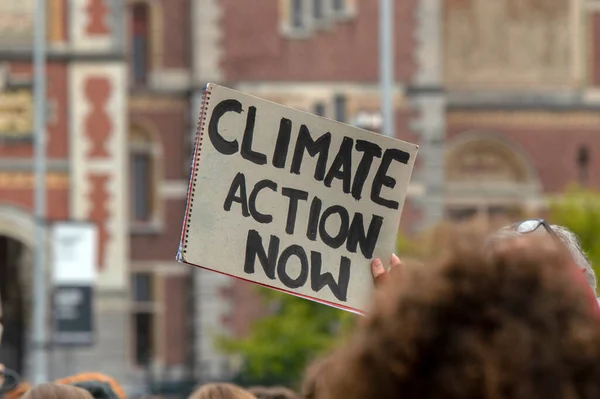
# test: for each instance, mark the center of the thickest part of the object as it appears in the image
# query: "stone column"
(429, 99)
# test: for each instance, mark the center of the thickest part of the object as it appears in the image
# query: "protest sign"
(292, 201)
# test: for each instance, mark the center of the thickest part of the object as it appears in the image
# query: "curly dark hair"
(515, 322)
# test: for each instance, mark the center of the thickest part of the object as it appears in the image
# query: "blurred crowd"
(511, 315)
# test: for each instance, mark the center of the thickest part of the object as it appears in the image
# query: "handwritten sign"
(292, 201)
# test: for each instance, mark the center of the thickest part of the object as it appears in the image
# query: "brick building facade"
(118, 147)
(86, 132)
(502, 98)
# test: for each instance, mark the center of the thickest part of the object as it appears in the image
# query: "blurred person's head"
(57, 391)
(513, 321)
(568, 238)
(21, 389)
(314, 378)
(273, 393)
(99, 385)
(221, 391)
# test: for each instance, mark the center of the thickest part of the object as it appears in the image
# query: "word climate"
(351, 230)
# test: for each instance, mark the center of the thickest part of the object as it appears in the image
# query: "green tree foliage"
(579, 210)
(281, 345)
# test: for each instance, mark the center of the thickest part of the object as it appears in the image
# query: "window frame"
(347, 12)
(147, 30)
(153, 338)
(149, 277)
(316, 107)
(144, 141)
(337, 110)
(288, 28)
(148, 187)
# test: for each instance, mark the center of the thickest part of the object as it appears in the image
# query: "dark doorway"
(12, 348)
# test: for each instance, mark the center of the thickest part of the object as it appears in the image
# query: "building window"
(139, 43)
(340, 108)
(583, 163)
(339, 6)
(297, 14)
(142, 193)
(143, 287)
(143, 328)
(318, 10)
(319, 109)
(143, 167)
(143, 317)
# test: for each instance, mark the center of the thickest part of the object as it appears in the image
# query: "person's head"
(57, 391)
(21, 389)
(100, 386)
(314, 378)
(511, 321)
(273, 393)
(221, 391)
(568, 238)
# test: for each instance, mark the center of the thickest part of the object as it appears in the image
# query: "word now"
(274, 263)
(341, 167)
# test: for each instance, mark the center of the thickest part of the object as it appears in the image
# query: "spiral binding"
(194, 174)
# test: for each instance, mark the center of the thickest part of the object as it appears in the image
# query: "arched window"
(487, 178)
(144, 150)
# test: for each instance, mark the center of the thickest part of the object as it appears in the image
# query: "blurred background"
(502, 96)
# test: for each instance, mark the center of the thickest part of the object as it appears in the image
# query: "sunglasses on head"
(529, 226)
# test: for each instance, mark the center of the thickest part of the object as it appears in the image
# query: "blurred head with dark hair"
(514, 321)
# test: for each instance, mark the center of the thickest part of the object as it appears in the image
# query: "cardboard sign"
(292, 201)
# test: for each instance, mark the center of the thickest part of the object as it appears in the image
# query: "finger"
(395, 262)
(377, 268)
(378, 271)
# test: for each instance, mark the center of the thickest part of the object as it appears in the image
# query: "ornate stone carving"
(16, 22)
(100, 212)
(16, 113)
(98, 124)
(97, 15)
(508, 43)
(487, 162)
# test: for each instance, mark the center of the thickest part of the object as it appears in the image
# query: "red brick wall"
(173, 126)
(57, 201)
(255, 48)
(57, 133)
(552, 150)
(161, 245)
(247, 306)
(58, 125)
(595, 49)
(175, 320)
(176, 34)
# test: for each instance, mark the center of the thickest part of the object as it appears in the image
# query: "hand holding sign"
(297, 202)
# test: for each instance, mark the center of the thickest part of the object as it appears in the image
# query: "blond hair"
(567, 237)
(57, 391)
(221, 391)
